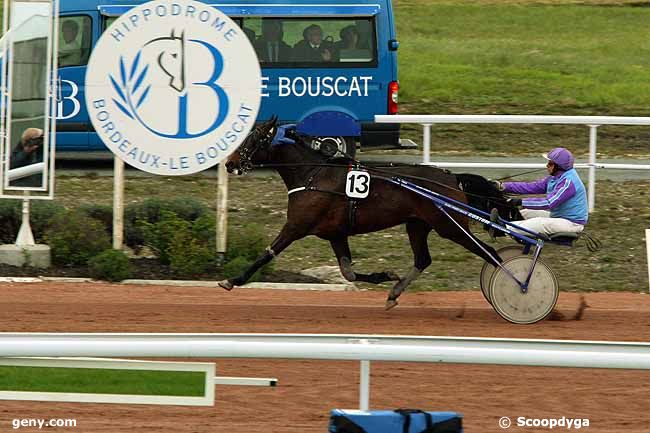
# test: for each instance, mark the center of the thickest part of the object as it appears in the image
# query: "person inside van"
(270, 47)
(313, 48)
(348, 48)
(364, 27)
(70, 45)
(349, 38)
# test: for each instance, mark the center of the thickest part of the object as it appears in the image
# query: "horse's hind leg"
(418, 232)
(471, 242)
(341, 248)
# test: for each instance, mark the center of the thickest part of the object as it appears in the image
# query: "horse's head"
(483, 194)
(255, 149)
(171, 59)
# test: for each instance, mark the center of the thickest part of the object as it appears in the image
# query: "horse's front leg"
(286, 237)
(344, 256)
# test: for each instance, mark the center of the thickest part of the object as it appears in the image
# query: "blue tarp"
(388, 421)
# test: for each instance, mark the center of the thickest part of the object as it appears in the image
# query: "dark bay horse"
(318, 206)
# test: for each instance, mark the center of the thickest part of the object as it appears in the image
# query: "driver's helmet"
(561, 157)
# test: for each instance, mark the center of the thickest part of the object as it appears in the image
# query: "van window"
(75, 36)
(322, 42)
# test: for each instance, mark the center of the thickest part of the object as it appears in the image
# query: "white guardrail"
(28, 170)
(593, 122)
(364, 348)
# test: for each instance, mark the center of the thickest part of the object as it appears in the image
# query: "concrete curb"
(262, 285)
(188, 283)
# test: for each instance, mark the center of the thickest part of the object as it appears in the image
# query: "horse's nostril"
(229, 166)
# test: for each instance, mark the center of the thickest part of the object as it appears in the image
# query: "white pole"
(25, 235)
(647, 245)
(118, 203)
(364, 386)
(581, 354)
(222, 210)
(364, 381)
(426, 143)
(593, 130)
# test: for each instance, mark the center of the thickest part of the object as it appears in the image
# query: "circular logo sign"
(173, 87)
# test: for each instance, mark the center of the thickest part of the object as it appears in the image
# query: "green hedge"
(75, 238)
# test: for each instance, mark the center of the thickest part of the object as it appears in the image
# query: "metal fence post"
(426, 143)
(591, 197)
(647, 246)
(364, 382)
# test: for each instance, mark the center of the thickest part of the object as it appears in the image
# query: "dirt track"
(614, 401)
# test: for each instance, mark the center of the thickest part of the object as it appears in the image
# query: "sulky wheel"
(523, 308)
(488, 268)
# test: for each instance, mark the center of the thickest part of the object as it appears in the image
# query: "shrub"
(41, 215)
(110, 265)
(187, 247)
(204, 230)
(151, 211)
(75, 237)
(248, 242)
(159, 236)
(189, 256)
(101, 212)
(9, 220)
(245, 246)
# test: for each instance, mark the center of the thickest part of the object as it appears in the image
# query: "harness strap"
(302, 188)
(352, 214)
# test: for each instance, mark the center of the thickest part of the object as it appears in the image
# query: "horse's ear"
(274, 119)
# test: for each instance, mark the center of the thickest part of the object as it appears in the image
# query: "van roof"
(326, 5)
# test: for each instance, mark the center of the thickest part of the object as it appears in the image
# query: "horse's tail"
(483, 194)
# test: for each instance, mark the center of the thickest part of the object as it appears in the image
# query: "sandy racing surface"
(614, 401)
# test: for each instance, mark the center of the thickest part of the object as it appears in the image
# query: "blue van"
(316, 56)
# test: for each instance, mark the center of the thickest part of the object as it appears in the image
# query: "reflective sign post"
(27, 118)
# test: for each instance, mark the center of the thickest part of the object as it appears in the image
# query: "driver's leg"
(548, 226)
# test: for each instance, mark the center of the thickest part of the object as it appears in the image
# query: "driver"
(564, 206)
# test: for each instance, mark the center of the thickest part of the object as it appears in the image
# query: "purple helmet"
(561, 157)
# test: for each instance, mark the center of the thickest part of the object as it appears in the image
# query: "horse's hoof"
(391, 303)
(226, 284)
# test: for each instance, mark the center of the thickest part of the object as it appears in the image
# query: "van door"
(75, 43)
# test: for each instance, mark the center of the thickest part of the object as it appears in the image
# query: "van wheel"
(333, 145)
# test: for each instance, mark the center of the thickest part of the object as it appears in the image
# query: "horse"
(318, 206)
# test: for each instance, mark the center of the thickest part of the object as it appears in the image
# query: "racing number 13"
(358, 184)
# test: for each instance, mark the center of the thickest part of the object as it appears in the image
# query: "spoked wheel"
(523, 308)
(488, 268)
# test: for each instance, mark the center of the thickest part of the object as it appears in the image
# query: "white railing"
(593, 122)
(364, 348)
(28, 170)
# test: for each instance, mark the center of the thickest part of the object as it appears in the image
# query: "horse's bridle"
(246, 153)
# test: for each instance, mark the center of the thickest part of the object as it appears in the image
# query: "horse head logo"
(170, 53)
(172, 59)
